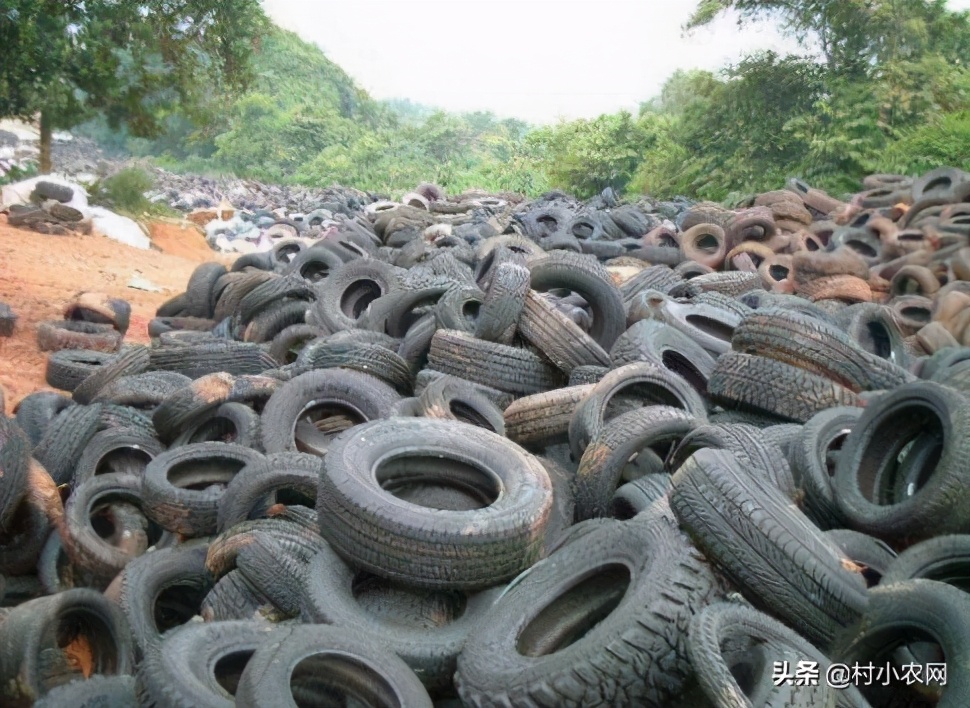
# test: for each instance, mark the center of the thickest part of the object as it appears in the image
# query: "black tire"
(945, 559)
(15, 453)
(235, 290)
(115, 499)
(763, 385)
(35, 411)
(171, 484)
(618, 598)
(639, 495)
(229, 423)
(370, 523)
(267, 294)
(234, 598)
(173, 307)
(191, 405)
(32, 659)
(95, 307)
(274, 319)
(730, 644)
(503, 367)
(874, 556)
(315, 264)
(258, 486)
(322, 664)
(52, 190)
(504, 300)
(144, 391)
(659, 343)
(65, 439)
(55, 335)
(609, 453)
(93, 692)
(371, 359)
(629, 386)
(288, 343)
(425, 629)
(342, 398)
(900, 475)
(197, 663)
(583, 375)
(197, 360)
(914, 611)
(116, 451)
(459, 308)
(162, 325)
(128, 362)
(345, 295)
(813, 462)
(586, 277)
(451, 398)
(559, 339)
(200, 290)
(875, 329)
(69, 367)
(161, 591)
(812, 345)
(761, 458)
(769, 549)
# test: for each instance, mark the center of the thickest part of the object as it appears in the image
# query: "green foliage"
(73, 59)
(586, 156)
(17, 174)
(889, 90)
(124, 192)
(944, 141)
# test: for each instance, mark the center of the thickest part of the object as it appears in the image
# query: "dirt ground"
(40, 274)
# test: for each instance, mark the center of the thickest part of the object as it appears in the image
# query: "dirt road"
(39, 275)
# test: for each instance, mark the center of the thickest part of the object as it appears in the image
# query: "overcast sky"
(533, 59)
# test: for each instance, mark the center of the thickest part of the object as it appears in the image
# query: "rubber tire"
(411, 623)
(763, 385)
(921, 610)
(463, 550)
(778, 559)
(144, 592)
(639, 644)
(727, 630)
(646, 383)
(191, 512)
(944, 559)
(30, 637)
(366, 397)
(810, 463)
(890, 422)
(67, 368)
(364, 673)
(604, 460)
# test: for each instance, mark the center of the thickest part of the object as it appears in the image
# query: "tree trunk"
(45, 143)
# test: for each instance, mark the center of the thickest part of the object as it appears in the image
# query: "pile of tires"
(435, 463)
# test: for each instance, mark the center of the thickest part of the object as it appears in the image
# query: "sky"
(538, 60)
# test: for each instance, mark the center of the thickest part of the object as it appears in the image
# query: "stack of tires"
(417, 465)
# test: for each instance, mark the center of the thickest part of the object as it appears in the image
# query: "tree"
(69, 60)
(855, 36)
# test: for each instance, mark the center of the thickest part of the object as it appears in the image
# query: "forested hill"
(898, 102)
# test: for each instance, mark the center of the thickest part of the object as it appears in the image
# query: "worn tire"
(376, 529)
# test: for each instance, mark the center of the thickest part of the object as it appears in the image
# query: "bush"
(125, 192)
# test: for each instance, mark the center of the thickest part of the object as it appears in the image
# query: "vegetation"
(878, 85)
(129, 62)
(124, 192)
